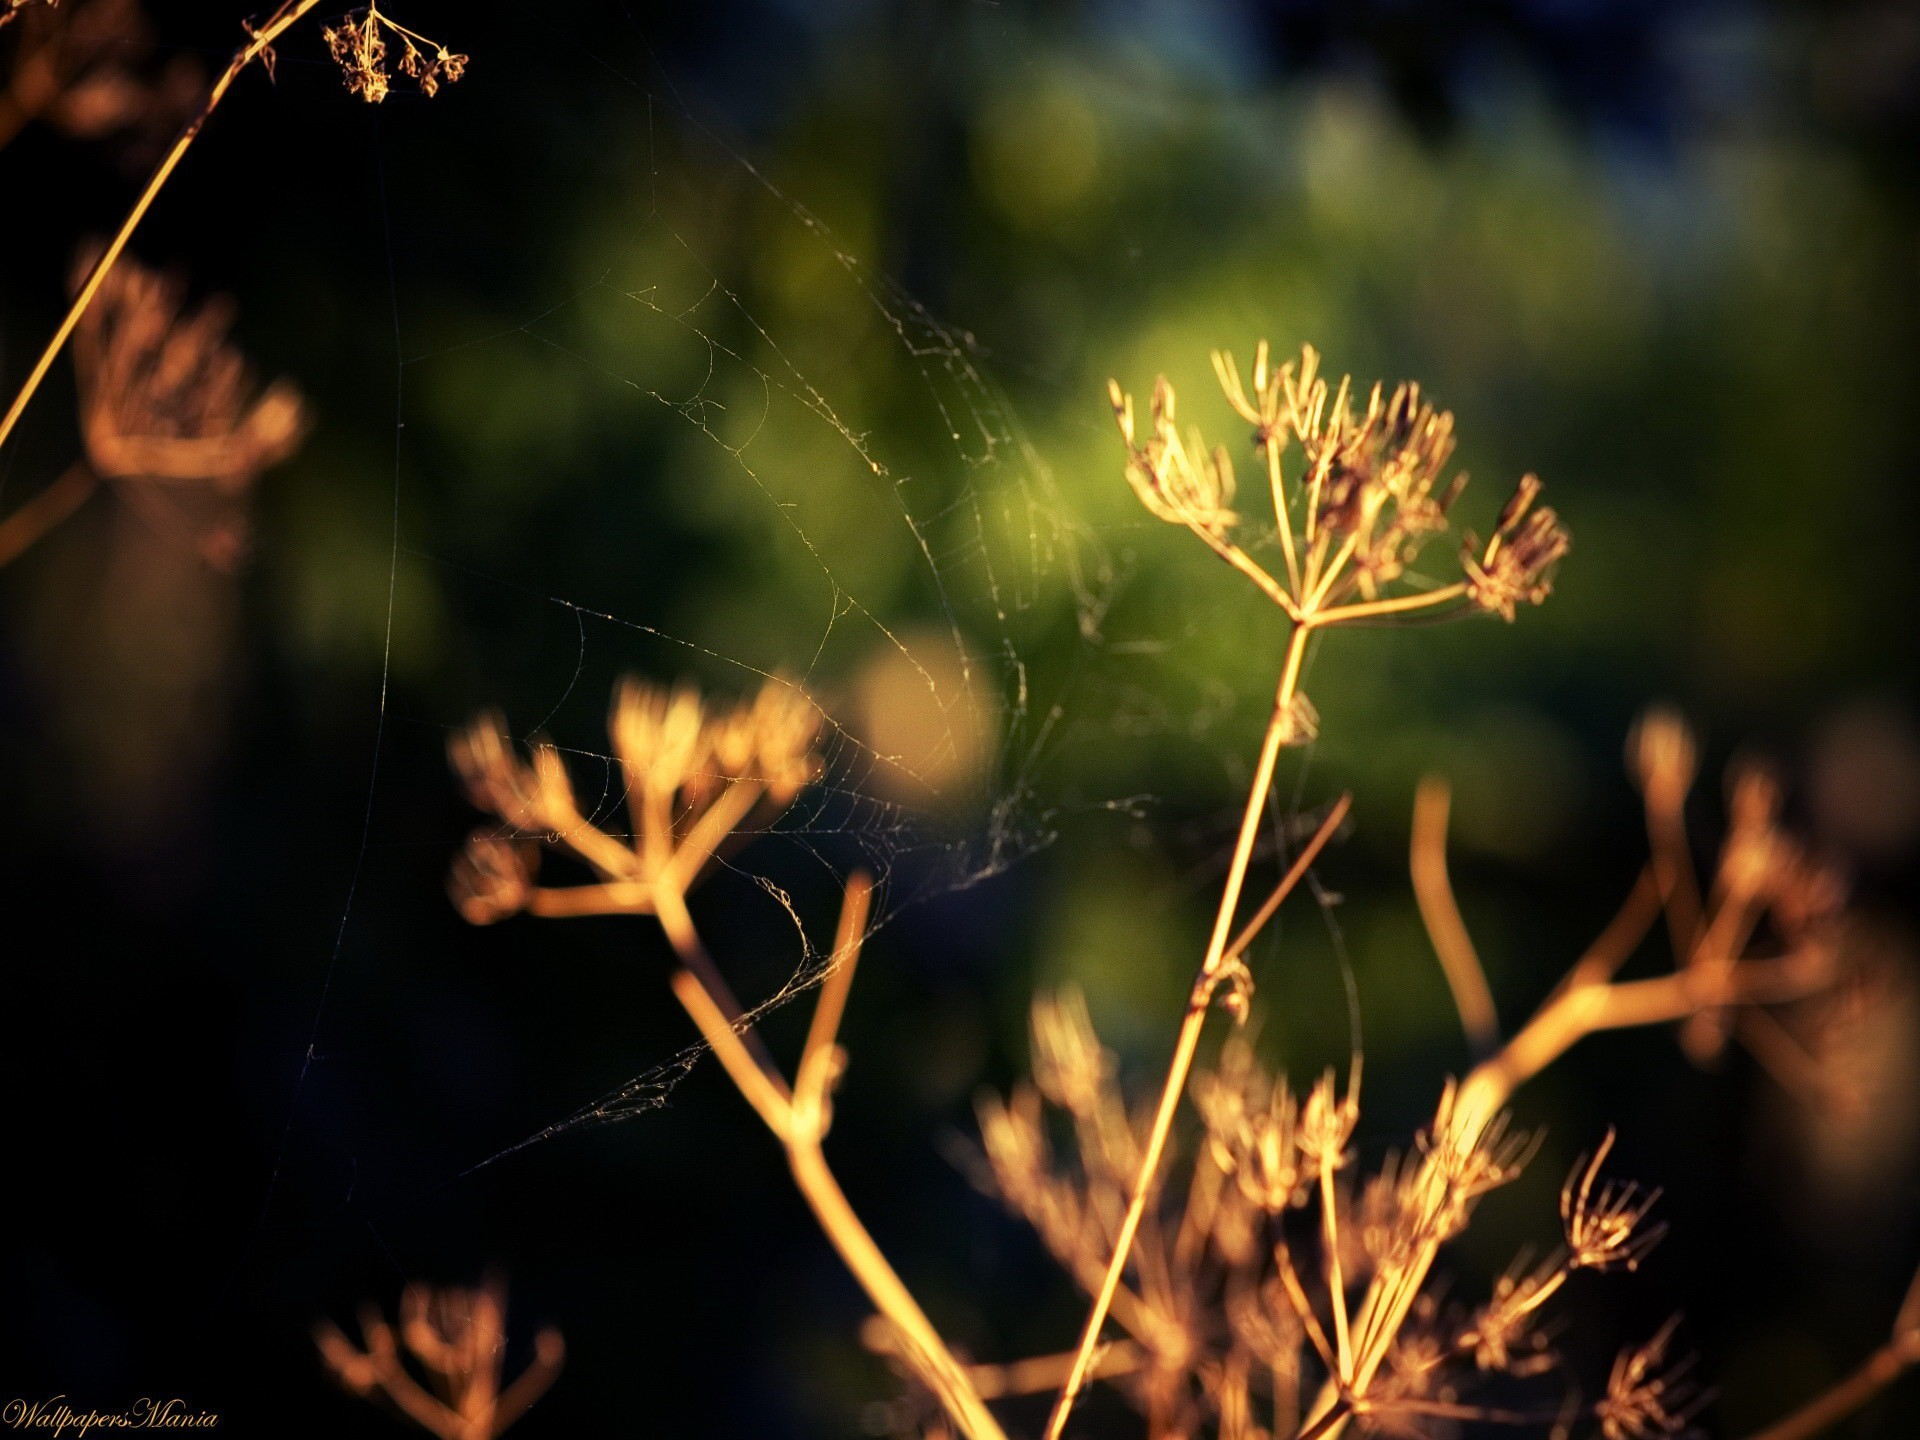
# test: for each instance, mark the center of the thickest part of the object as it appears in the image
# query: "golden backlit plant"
(443, 1365)
(171, 416)
(1367, 490)
(1267, 1284)
(1277, 1293)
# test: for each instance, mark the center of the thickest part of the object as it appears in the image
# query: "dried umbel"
(1647, 1397)
(456, 1341)
(1368, 492)
(1516, 566)
(694, 778)
(1177, 478)
(1372, 491)
(1607, 1228)
(1282, 1289)
(1772, 915)
(697, 779)
(170, 411)
(359, 44)
(1259, 1300)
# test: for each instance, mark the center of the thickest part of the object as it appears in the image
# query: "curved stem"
(1440, 912)
(1882, 1368)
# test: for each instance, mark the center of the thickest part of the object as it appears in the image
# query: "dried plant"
(1269, 1260)
(1370, 493)
(359, 46)
(170, 415)
(693, 778)
(1277, 1287)
(457, 1340)
(259, 47)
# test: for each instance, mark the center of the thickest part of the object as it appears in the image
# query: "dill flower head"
(1252, 1125)
(1503, 1328)
(170, 411)
(1468, 1157)
(358, 44)
(492, 878)
(455, 1338)
(1516, 567)
(696, 780)
(1647, 1399)
(1606, 1229)
(1375, 473)
(1326, 1123)
(1367, 490)
(1178, 479)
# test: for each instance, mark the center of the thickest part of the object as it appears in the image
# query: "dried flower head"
(358, 43)
(1263, 403)
(171, 412)
(1326, 1122)
(1179, 480)
(1372, 491)
(1502, 1335)
(1374, 475)
(457, 1339)
(1252, 1124)
(1516, 567)
(694, 778)
(1469, 1155)
(1607, 1229)
(492, 878)
(1646, 1398)
(1069, 1066)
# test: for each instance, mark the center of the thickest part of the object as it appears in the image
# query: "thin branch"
(1439, 911)
(1397, 605)
(1200, 1000)
(799, 1133)
(1044, 1372)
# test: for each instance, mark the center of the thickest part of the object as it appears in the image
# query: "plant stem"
(258, 42)
(1398, 604)
(1199, 1001)
(25, 526)
(1447, 931)
(800, 1129)
(1883, 1367)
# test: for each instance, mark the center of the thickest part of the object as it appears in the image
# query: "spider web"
(996, 555)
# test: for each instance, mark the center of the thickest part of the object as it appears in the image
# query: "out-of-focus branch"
(1432, 888)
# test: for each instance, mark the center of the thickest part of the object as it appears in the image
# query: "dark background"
(1665, 254)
